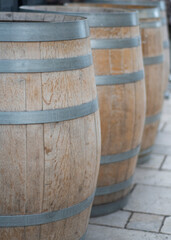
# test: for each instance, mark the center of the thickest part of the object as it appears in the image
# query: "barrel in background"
(49, 127)
(154, 65)
(166, 43)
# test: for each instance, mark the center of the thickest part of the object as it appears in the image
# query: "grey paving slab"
(165, 117)
(167, 164)
(150, 199)
(118, 219)
(161, 125)
(167, 127)
(107, 233)
(163, 138)
(154, 162)
(152, 177)
(167, 226)
(146, 222)
(161, 149)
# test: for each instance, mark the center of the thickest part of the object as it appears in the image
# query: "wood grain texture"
(122, 108)
(152, 45)
(165, 36)
(156, 76)
(47, 167)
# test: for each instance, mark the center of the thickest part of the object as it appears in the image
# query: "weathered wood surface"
(47, 167)
(165, 36)
(122, 106)
(152, 45)
(156, 75)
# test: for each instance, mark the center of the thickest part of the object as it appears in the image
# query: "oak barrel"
(153, 54)
(166, 43)
(117, 55)
(49, 127)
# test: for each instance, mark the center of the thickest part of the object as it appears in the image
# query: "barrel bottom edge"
(144, 155)
(84, 236)
(143, 159)
(105, 209)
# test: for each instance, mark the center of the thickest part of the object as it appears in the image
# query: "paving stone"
(161, 125)
(163, 138)
(165, 117)
(167, 127)
(167, 226)
(167, 164)
(118, 219)
(146, 222)
(150, 199)
(107, 233)
(161, 149)
(154, 162)
(152, 177)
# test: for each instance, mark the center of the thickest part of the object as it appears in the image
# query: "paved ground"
(148, 213)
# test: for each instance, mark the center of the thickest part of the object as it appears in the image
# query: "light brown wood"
(156, 75)
(47, 167)
(122, 107)
(152, 45)
(165, 36)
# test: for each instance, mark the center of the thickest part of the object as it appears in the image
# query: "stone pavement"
(147, 216)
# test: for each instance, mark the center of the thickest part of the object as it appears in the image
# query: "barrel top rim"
(41, 27)
(150, 10)
(158, 3)
(97, 16)
(94, 10)
(34, 18)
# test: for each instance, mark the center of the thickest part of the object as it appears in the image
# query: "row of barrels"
(51, 145)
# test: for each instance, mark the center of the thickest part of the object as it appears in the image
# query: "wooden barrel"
(117, 55)
(165, 43)
(49, 127)
(139, 5)
(152, 46)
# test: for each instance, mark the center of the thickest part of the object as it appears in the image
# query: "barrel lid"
(97, 17)
(30, 27)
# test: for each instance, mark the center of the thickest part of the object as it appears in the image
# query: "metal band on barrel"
(144, 155)
(100, 191)
(45, 65)
(109, 19)
(153, 60)
(115, 43)
(104, 209)
(152, 119)
(45, 217)
(43, 31)
(84, 236)
(146, 151)
(143, 159)
(156, 24)
(164, 21)
(166, 44)
(119, 157)
(49, 116)
(120, 79)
